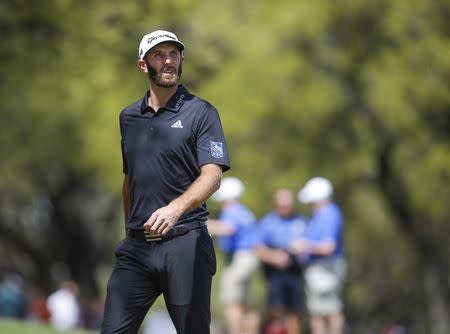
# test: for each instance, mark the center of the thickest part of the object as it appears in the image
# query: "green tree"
(357, 91)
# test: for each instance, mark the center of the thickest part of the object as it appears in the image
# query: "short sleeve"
(210, 140)
(228, 218)
(333, 228)
(329, 226)
(122, 145)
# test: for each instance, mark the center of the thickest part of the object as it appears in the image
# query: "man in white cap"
(322, 249)
(236, 228)
(174, 153)
(64, 307)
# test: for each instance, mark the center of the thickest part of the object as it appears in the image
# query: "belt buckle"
(152, 237)
(180, 229)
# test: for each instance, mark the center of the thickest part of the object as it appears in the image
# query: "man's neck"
(320, 204)
(160, 96)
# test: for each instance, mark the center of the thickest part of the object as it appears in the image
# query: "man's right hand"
(280, 259)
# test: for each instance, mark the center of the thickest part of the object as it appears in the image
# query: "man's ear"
(143, 66)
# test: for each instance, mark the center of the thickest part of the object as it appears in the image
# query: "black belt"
(176, 231)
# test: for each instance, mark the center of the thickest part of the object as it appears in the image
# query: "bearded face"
(168, 76)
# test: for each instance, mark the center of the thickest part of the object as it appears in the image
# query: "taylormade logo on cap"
(151, 39)
(157, 37)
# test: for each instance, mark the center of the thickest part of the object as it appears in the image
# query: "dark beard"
(153, 75)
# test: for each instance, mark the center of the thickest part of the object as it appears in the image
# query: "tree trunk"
(438, 307)
(417, 228)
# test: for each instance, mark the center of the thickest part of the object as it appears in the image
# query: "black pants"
(285, 290)
(181, 269)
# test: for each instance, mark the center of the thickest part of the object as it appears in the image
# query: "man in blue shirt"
(236, 230)
(237, 220)
(277, 230)
(321, 248)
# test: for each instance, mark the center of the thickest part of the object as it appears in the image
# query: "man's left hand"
(299, 246)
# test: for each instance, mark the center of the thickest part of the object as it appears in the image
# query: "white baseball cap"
(231, 188)
(157, 37)
(315, 190)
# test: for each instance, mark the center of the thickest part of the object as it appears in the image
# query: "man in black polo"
(174, 153)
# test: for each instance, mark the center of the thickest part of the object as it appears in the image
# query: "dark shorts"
(181, 269)
(285, 290)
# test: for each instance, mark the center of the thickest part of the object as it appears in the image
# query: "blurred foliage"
(357, 91)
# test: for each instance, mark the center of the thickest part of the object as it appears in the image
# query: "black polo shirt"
(163, 151)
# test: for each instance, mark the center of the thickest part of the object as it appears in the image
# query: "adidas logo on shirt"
(177, 124)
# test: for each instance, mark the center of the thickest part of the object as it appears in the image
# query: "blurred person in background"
(159, 322)
(37, 305)
(282, 270)
(64, 307)
(393, 329)
(93, 309)
(236, 229)
(322, 250)
(12, 297)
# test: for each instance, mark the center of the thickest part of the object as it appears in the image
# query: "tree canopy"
(356, 91)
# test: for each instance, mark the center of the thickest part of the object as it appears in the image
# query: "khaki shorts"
(235, 279)
(324, 279)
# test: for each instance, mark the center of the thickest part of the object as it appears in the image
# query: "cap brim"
(178, 44)
(304, 197)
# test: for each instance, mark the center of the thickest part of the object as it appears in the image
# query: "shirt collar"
(174, 104)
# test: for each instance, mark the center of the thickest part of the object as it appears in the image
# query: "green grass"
(8, 326)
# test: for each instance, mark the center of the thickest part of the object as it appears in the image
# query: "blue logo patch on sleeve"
(217, 149)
